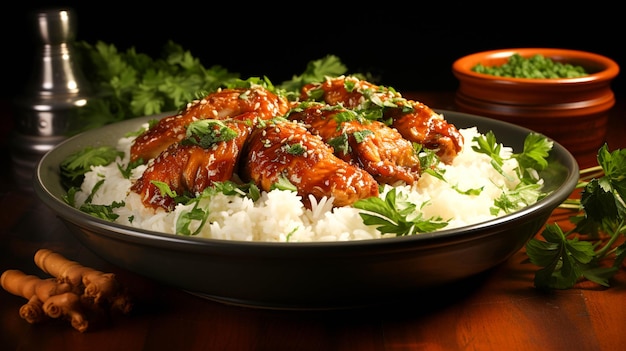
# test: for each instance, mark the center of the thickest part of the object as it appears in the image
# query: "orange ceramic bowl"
(572, 111)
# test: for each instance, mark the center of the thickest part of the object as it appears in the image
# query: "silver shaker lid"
(56, 87)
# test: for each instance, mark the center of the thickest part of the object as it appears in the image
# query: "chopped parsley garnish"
(345, 116)
(296, 149)
(199, 216)
(512, 200)
(102, 211)
(283, 184)
(126, 171)
(249, 190)
(361, 135)
(184, 221)
(164, 189)
(429, 161)
(340, 144)
(207, 132)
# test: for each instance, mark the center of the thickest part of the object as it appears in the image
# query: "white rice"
(279, 216)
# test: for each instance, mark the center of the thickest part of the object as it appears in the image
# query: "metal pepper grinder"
(56, 90)
(57, 86)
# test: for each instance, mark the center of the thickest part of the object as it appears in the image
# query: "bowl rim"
(157, 239)
(461, 67)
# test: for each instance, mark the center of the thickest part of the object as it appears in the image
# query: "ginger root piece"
(96, 286)
(46, 298)
(20, 284)
(75, 292)
(67, 305)
(32, 311)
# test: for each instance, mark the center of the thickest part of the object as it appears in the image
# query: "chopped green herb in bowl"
(534, 67)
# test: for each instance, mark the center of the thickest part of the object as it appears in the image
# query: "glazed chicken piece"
(221, 104)
(371, 145)
(347, 91)
(422, 125)
(190, 168)
(415, 121)
(287, 149)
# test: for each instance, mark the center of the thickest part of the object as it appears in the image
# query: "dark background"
(408, 47)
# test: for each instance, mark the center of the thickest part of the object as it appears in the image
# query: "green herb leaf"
(488, 145)
(315, 71)
(340, 144)
(164, 188)
(283, 184)
(396, 215)
(126, 171)
(207, 132)
(102, 211)
(295, 149)
(536, 150)
(249, 190)
(74, 167)
(186, 218)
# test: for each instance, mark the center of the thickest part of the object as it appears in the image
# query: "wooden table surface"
(497, 310)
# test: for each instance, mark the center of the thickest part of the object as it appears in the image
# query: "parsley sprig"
(594, 249)
(531, 160)
(74, 167)
(127, 83)
(130, 84)
(396, 215)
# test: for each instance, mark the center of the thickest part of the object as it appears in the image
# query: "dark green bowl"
(315, 275)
